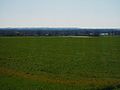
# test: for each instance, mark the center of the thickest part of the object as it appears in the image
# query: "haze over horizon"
(60, 13)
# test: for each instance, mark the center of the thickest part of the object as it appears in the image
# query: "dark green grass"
(15, 83)
(64, 57)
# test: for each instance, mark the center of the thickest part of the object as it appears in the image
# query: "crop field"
(59, 63)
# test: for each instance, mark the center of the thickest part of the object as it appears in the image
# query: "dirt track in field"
(59, 80)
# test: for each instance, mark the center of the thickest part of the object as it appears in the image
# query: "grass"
(57, 63)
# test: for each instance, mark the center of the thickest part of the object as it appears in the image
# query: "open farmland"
(59, 63)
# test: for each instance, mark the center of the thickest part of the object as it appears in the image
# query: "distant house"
(104, 34)
(94, 34)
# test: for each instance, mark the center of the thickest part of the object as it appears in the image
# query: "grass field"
(59, 63)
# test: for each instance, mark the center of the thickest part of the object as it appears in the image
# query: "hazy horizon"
(60, 13)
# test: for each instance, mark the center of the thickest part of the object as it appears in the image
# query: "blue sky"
(60, 13)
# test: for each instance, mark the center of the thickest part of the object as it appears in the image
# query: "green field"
(59, 63)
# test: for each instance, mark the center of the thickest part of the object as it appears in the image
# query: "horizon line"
(62, 27)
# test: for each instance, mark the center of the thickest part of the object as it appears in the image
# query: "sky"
(60, 13)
